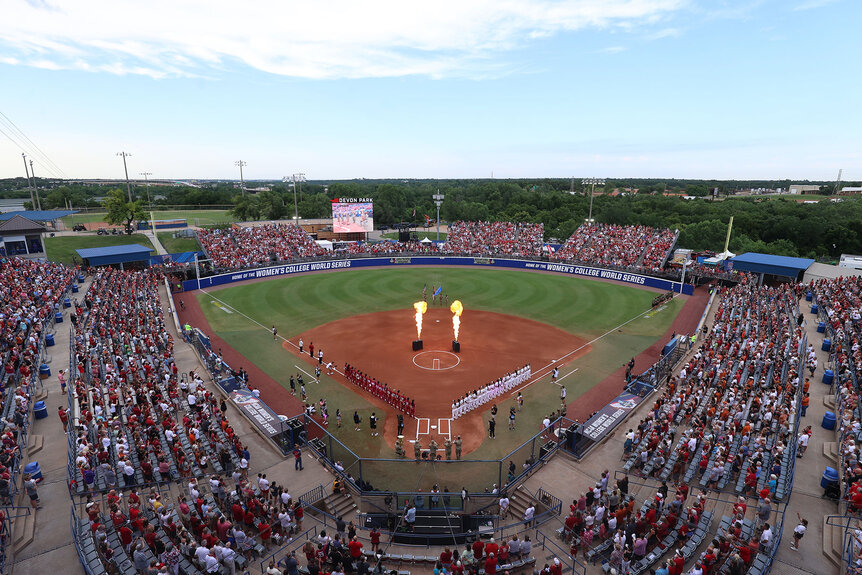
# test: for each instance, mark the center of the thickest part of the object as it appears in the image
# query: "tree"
(122, 212)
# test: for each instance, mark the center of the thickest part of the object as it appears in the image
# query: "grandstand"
(152, 454)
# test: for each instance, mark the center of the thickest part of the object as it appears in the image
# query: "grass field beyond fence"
(62, 248)
(177, 245)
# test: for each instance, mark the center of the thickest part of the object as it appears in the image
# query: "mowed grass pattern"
(295, 304)
(587, 308)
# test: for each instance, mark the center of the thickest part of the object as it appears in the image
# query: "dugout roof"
(38, 215)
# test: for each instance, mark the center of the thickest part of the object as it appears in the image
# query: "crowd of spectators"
(244, 247)
(618, 246)
(495, 238)
(728, 420)
(382, 391)
(840, 300)
(31, 292)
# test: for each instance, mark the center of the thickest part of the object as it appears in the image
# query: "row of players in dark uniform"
(380, 390)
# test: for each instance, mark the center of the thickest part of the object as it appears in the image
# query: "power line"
(32, 143)
(26, 149)
(35, 150)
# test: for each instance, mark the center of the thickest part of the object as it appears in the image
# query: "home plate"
(433, 427)
(436, 321)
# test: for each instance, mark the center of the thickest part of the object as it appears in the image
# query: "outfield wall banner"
(607, 418)
(329, 265)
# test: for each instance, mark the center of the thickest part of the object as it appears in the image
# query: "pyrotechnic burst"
(420, 307)
(457, 309)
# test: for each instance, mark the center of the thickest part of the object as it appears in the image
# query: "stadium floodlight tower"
(591, 182)
(438, 201)
(289, 181)
(125, 155)
(240, 164)
(147, 180)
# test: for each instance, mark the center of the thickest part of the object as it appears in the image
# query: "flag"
(439, 291)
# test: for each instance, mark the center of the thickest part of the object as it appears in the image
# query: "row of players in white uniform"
(488, 392)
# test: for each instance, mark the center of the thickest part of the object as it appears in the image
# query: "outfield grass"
(62, 248)
(587, 308)
(177, 245)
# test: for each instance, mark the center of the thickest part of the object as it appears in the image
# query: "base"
(456, 346)
(417, 345)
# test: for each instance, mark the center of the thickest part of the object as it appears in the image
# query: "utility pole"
(240, 163)
(35, 187)
(126, 168)
(147, 180)
(438, 201)
(29, 185)
(592, 183)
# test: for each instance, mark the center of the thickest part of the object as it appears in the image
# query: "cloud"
(612, 50)
(318, 40)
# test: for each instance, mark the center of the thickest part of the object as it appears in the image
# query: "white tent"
(325, 244)
(425, 240)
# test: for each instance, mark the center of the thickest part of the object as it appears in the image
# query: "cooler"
(821, 327)
(826, 345)
(49, 340)
(814, 309)
(58, 317)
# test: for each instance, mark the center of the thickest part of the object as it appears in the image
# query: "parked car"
(79, 228)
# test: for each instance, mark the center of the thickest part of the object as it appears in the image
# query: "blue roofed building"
(772, 268)
(127, 256)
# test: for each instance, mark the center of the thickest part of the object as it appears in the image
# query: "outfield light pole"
(240, 163)
(125, 155)
(592, 183)
(35, 187)
(288, 181)
(438, 201)
(147, 181)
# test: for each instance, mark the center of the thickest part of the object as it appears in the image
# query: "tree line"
(779, 225)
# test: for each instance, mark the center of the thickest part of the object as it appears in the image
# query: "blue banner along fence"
(330, 265)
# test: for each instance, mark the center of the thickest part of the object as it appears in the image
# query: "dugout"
(130, 256)
(772, 268)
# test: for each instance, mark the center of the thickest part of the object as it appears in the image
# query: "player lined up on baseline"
(486, 393)
(380, 390)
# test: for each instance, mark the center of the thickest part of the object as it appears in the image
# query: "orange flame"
(420, 307)
(457, 309)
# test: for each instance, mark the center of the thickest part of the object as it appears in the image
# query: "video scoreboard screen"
(352, 215)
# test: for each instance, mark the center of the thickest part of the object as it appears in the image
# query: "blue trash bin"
(33, 469)
(826, 345)
(40, 410)
(49, 340)
(44, 371)
(67, 302)
(74, 288)
(814, 309)
(828, 376)
(821, 327)
(828, 420)
(81, 278)
(58, 317)
(809, 296)
(830, 477)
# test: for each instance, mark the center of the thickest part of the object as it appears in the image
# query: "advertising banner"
(328, 265)
(259, 413)
(607, 418)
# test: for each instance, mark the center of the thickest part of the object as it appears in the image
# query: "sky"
(726, 89)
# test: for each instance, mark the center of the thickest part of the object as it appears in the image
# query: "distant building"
(850, 261)
(802, 189)
(851, 190)
(21, 237)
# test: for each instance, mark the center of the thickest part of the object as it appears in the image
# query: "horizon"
(530, 89)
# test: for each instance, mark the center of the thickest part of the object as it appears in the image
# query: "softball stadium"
(490, 402)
